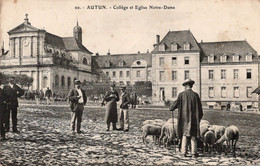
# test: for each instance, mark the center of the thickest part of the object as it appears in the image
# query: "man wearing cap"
(123, 114)
(78, 99)
(12, 92)
(111, 98)
(189, 116)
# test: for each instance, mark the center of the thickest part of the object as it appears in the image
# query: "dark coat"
(2, 100)
(73, 99)
(12, 94)
(125, 99)
(189, 113)
(48, 93)
(111, 107)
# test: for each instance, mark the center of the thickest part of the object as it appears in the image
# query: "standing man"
(111, 98)
(48, 95)
(2, 112)
(189, 116)
(78, 99)
(123, 114)
(12, 92)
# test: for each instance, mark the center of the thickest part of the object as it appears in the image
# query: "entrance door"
(162, 94)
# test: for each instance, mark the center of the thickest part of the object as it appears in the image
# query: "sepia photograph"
(137, 82)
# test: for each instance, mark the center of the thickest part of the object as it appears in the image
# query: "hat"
(12, 78)
(122, 87)
(77, 82)
(112, 85)
(188, 81)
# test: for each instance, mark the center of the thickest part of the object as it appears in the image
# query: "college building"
(224, 72)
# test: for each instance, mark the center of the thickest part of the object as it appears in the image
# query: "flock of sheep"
(211, 138)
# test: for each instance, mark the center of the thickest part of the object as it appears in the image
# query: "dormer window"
(174, 47)
(211, 58)
(121, 63)
(85, 61)
(162, 47)
(107, 64)
(248, 57)
(186, 46)
(223, 58)
(236, 57)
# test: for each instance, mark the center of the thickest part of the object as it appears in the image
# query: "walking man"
(78, 99)
(12, 92)
(189, 116)
(48, 95)
(2, 112)
(123, 114)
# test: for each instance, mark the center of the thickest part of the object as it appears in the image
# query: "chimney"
(97, 54)
(138, 52)
(157, 39)
(2, 49)
(147, 51)
(201, 41)
(108, 53)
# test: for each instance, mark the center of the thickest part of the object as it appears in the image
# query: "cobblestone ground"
(45, 139)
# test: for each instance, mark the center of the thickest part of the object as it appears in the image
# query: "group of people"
(8, 105)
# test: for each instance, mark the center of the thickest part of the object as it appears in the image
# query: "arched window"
(69, 81)
(62, 81)
(74, 80)
(56, 81)
(107, 64)
(186, 46)
(85, 61)
(44, 82)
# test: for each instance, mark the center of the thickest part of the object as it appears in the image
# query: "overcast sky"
(130, 31)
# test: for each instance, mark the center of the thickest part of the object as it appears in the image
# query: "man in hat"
(189, 116)
(111, 98)
(12, 92)
(78, 99)
(48, 94)
(2, 112)
(123, 114)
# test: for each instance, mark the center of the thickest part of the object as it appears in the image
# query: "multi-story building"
(51, 60)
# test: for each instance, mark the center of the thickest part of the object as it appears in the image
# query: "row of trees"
(23, 80)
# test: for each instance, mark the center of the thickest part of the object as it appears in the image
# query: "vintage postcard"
(136, 82)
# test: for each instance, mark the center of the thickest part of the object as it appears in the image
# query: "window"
(56, 81)
(107, 73)
(85, 61)
(138, 62)
(162, 77)
(69, 81)
(186, 74)
(127, 73)
(62, 81)
(236, 58)
(114, 74)
(211, 58)
(74, 80)
(174, 47)
(174, 75)
(223, 74)
(44, 82)
(107, 64)
(236, 92)
(248, 57)
(161, 61)
(249, 92)
(248, 73)
(174, 92)
(121, 63)
(162, 47)
(149, 73)
(235, 73)
(138, 73)
(223, 58)
(187, 46)
(128, 82)
(211, 74)
(174, 60)
(121, 74)
(186, 60)
(223, 92)
(211, 92)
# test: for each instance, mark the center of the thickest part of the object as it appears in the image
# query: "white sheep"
(231, 134)
(150, 129)
(202, 122)
(168, 133)
(203, 129)
(209, 141)
(154, 122)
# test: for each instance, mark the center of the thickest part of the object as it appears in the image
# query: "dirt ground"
(45, 139)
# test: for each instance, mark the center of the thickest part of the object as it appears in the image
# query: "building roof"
(72, 44)
(54, 40)
(127, 58)
(229, 48)
(179, 38)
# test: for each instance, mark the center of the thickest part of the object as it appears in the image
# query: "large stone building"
(51, 60)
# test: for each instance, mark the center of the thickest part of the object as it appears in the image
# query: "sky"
(131, 30)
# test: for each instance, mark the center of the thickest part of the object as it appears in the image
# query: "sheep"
(209, 141)
(168, 133)
(150, 129)
(231, 134)
(154, 122)
(203, 129)
(202, 122)
(219, 132)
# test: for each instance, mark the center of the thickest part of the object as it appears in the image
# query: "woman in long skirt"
(111, 98)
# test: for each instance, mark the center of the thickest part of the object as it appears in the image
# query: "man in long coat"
(111, 98)
(12, 92)
(78, 99)
(189, 116)
(123, 113)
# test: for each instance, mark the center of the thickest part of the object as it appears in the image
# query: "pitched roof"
(229, 48)
(54, 40)
(178, 37)
(73, 44)
(127, 58)
(24, 27)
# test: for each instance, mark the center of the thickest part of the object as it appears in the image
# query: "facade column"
(14, 46)
(20, 50)
(32, 52)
